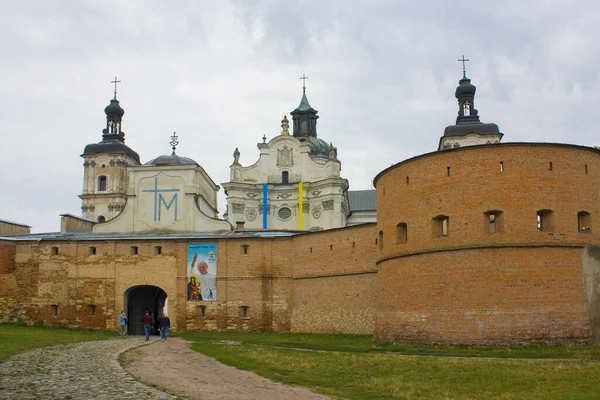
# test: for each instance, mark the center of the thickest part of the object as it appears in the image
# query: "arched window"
(101, 218)
(493, 221)
(380, 240)
(285, 177)
(101, 183)
(545, 221)
(440, 226)
(401, 233)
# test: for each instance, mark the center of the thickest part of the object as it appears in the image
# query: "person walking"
(164, 323)
(123, 322)
(147, 325)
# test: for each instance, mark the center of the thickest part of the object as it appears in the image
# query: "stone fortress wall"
(315, 282)
(463, 255)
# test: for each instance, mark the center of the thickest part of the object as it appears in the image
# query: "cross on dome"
(174, 142)
(464, 68)
(304, 78)
(115, 82)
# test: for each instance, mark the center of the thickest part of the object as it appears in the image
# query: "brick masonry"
(517, 283)
(279, 280)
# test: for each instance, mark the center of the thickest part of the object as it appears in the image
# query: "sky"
(224, 73)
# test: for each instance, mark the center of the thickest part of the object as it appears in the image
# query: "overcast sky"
(223, 74)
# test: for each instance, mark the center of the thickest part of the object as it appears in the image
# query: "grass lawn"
(355, 367)
(18, 338)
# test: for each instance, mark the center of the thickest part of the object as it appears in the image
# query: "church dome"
(172, 159)
(114, 108)
(318, 147)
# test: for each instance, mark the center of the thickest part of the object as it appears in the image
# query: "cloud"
(222, 74)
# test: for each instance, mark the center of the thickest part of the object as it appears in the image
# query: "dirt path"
(174, 366)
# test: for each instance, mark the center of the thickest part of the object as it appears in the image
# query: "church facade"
(480, 241)
(295, 184)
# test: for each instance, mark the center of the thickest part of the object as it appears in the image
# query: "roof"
(5, 221)
(77, 217)
(172, 159)
(151, 235)
(110, 147)
(304, 106)
(462, 129)
(362, 200)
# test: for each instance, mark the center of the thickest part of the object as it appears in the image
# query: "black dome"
(465, 88)
(173, 159)
(114, 108)
(110, 147)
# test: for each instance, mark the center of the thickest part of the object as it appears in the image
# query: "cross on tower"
(174, 142)
(115, 82)
(464, 69)
(304, 78)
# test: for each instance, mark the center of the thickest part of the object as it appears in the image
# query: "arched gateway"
(139, 299)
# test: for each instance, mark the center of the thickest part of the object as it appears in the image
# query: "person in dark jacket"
(164, 323)
(147, 325)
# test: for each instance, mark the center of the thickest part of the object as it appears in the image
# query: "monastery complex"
(479, 241)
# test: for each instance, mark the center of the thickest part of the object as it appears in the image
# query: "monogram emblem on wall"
(251, 214)
(316, 212)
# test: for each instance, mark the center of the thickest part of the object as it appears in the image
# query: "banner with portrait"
(202, 271)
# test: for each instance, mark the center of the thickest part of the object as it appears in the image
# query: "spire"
(304, 116)
(114, 117)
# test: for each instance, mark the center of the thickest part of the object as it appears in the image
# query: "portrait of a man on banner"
(202, 272)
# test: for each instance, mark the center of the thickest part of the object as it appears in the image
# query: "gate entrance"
(140, 299)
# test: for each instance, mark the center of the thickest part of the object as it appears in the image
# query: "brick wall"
(335, 280)
(517, 283)
(309, 283)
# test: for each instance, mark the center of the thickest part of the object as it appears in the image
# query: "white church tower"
(295, 184)
(105, 166)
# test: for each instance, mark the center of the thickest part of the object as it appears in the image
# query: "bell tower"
(105, 165)
(304, 117)
(469, 130)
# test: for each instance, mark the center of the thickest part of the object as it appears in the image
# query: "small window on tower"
(466, 109)
(102, 183)
(545, 221)
(440, 226)
(584, 222)
(285, 177)
(494, 221)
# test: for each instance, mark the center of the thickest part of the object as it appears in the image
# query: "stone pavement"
(87, 370)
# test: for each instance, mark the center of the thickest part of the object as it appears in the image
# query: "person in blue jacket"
(164, 323)
(123, 322)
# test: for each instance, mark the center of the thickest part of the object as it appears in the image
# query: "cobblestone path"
(87, 370)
